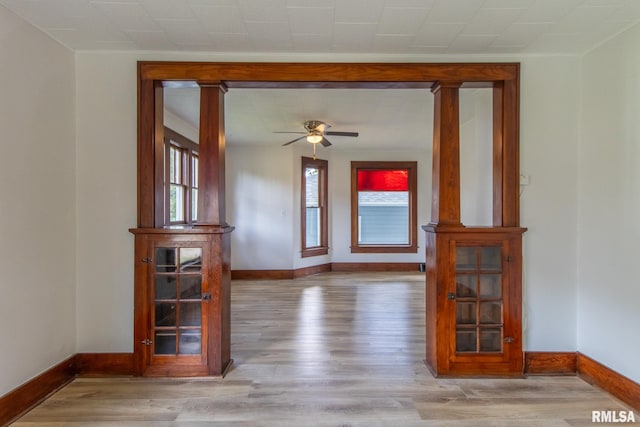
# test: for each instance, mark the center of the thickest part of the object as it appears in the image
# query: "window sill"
(322, 250)
(384, 249)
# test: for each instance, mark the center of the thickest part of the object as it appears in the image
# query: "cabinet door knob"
(451, 296)
(206, 296)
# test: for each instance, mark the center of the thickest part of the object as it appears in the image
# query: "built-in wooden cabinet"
(473, 296)
(181, 302)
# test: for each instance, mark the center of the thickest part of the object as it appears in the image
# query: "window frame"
(412, 168)
(323, 205)
(189, 150)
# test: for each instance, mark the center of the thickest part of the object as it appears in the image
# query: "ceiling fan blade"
(297, 139)
(342, 133)
(301, 133)
(325, 142)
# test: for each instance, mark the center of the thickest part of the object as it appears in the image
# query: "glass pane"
(312, 238)
(175, 165)
(194, 204)
(466, 340)
(491, 312)
(165, 342)
(190, 341)
(166, 287)
(490, 258)
(383, 217)
(491, 339)
(190, 314)
(466, 285)
(165, 314)
(490, 286)
(191, 287)
(466, 259)
(380, 180)
(190, 259)
(194, 170)
(165, 259)
(465, 313)
(312, 185)
(176, 203)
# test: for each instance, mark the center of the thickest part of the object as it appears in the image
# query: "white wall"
(260, 206)
(37, 211)
(106, 86)
(609, 203)
(549, 109)
(106, 197)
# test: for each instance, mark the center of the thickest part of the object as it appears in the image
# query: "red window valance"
(383, 180)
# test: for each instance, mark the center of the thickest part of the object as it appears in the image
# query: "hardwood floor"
(335, 349)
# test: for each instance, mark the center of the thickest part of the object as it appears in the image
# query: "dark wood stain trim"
(323, 268)
(550, 363)
(375, 266)
(104, 364)
(20, 400)
(290, 74)
(609, 380)
(261, 274)
(308, 271)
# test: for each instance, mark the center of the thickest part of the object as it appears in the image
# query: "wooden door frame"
(503, 78)
(443, 79)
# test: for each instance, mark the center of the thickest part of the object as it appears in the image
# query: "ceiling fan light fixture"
(314, 138)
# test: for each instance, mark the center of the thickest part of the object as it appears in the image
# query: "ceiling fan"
(315, 134)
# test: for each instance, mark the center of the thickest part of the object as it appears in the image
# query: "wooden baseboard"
(308, 271)
(323, 268)
(261, 274)
(375, 266)
(550, 363)
(609, 380)
(104, 364)
(22, 399)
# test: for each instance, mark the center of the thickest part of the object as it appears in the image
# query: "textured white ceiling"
(331, 26)
(405, 28)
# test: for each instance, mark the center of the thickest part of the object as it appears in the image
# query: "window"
(384, 207)
(314, 220)
(181, 177)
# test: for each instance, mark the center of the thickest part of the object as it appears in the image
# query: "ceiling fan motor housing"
(315, 126)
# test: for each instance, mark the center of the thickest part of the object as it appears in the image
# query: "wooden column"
(150, 154)
(445, 196)
(212, 218)
(211, 181)
(506, 154)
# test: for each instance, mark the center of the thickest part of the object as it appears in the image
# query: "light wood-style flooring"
(335, 349)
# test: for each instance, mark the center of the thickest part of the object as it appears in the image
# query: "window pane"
(383, 180)
(165, 342)
(194, 171)
(175, 165)
(190, 341)
(190, 259)
(466, 340)
(194, 204)
(176, 203)
(312, 203)
(313, 227)
(383, 217)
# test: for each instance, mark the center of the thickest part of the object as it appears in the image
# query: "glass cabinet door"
(177, 301)
(478, 299)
